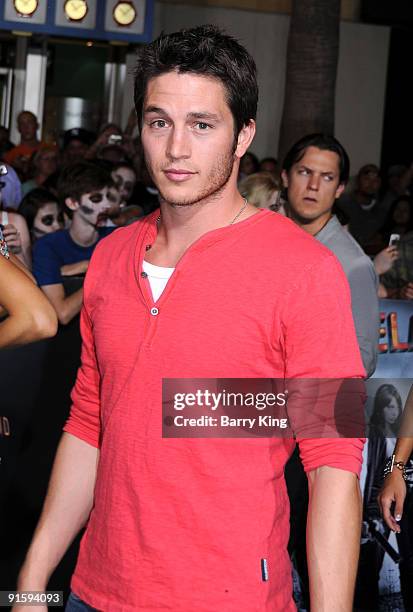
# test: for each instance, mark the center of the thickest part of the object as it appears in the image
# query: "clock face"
(76, 10)
(25, 7)
(124, 13)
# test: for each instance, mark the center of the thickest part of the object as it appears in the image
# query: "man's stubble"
(215, 183)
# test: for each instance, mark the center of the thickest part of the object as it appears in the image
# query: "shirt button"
(144, 275)
(154, 311)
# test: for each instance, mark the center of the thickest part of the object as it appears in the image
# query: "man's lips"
(310, 199)
(177, 174)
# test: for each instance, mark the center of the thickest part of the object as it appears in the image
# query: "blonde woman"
(262, 190)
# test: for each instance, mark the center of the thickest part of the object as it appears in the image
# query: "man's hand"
(385, 259)
(406, 292)
(12, 238)
(393, 491)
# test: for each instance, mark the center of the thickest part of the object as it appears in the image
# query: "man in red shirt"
(207, 287)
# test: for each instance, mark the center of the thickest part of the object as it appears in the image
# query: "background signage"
(128, 21)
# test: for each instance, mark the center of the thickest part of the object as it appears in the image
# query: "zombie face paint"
(114, 197)
(94, 206)
(125, 179)
(46, 220)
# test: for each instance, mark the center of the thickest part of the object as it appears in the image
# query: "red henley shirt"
(182, 524)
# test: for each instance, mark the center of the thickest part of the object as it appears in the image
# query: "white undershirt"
(158, 276)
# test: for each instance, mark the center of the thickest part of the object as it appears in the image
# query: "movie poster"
(385, 580)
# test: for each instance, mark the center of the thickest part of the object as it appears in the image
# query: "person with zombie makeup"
(124, 177)
(40, 208)
(83, 191)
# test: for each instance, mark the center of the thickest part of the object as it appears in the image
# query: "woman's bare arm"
(31, 316)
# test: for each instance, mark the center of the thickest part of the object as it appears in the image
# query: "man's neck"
(315, 226)
(83, 233)
(181, 226)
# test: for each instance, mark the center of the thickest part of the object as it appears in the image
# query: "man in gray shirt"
(315, 172)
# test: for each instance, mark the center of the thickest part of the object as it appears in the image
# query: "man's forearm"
(333, 538)
(67, 507)
(68, 307)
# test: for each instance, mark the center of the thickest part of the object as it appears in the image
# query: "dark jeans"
(75, 604)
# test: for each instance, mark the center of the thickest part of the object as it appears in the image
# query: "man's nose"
(106, 203)
(178, 144)
(314, 182)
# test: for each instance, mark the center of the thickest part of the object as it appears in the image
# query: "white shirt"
(158, 277)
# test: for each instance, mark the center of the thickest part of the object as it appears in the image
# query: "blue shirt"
(55, 250)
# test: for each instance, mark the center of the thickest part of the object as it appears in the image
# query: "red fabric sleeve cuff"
(343, 453)
(82, 433)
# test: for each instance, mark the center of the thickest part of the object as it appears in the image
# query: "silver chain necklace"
(241, 210)
(239, 213)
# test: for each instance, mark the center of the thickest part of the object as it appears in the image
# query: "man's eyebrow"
(203, 115)
(154, 109)
(193, 115)
(304, 167)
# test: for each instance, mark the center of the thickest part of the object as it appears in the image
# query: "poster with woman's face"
(382, 573)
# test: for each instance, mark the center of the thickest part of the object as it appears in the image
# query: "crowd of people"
(375, 209)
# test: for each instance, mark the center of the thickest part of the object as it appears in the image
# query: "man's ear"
(339, 190)
(245, 138)
(284, 178)
(71, 203)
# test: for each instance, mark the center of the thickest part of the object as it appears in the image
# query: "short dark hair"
(204, 50)
(33, 202)
(324, 142)
(82, 177)
(368, 169)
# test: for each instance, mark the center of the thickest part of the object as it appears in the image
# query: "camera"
(394, 240)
